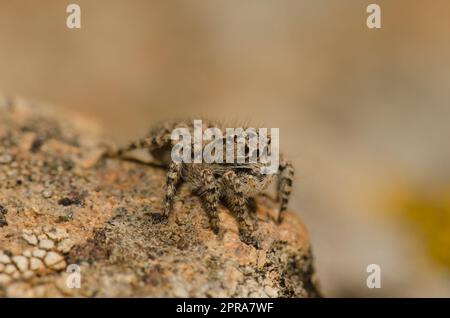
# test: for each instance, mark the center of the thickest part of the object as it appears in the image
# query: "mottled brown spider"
(232, 183)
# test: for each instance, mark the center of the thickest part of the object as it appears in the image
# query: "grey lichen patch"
(68, 205)
(34, 263)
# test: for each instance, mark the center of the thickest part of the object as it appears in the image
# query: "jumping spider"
(232, 183)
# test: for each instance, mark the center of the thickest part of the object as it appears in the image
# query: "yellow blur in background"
(359, 110)
(428, 212)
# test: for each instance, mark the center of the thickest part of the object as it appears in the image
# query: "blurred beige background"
(364, 114)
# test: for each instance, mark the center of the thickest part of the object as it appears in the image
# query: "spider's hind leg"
(157, 138)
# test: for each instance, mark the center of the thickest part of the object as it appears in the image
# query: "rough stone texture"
(66, 205)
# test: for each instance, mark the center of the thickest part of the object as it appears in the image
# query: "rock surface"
(66, 213)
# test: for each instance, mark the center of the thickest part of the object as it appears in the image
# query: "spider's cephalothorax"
(232, 183)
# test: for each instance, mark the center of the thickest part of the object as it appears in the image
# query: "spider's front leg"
(285, 180)
(210, 194)
(238, 204)
(173, 177)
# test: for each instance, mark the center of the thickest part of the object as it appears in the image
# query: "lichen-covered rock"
(70, 211)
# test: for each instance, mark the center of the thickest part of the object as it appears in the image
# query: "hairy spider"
(232, 183)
